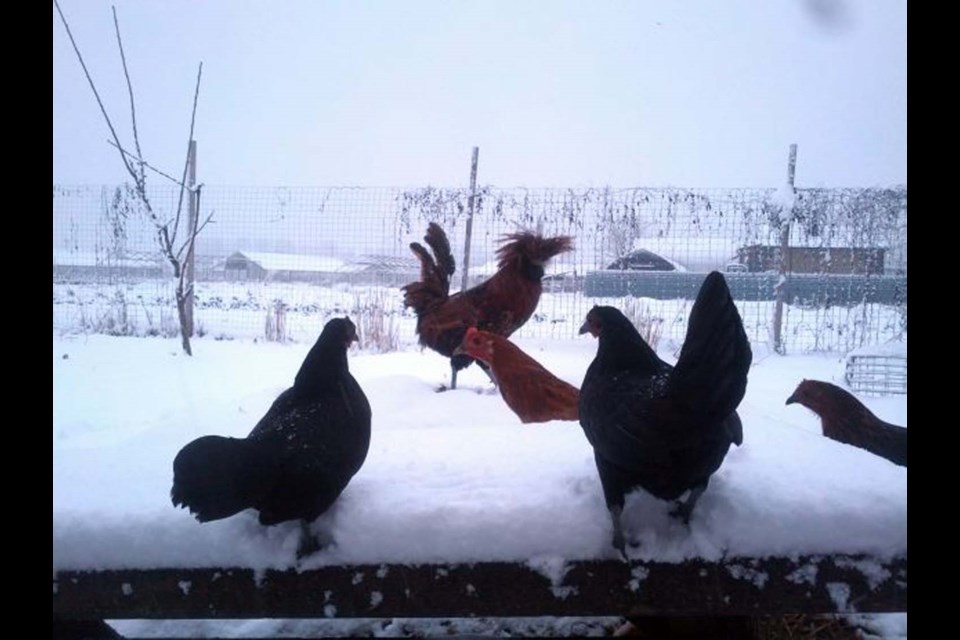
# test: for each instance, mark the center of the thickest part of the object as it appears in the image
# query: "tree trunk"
(182, 317)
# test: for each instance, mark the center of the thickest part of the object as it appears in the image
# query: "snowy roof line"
(292, 261)
(328, 264)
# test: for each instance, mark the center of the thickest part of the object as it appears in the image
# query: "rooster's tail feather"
(434, 285)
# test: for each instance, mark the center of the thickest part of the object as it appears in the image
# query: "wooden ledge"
(771, 586)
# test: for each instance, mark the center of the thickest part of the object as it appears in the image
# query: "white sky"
(558, 93)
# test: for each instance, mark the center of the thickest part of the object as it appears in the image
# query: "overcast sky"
(697, 93)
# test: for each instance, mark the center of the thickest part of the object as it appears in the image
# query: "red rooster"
(534, 394)
(844, 418)
(500, 305)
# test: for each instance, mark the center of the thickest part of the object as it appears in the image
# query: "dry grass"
(376, 329)
(804, 627)
(275, 326)
(649, 325)
(786, 627)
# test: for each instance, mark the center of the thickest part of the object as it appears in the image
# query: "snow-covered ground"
(450, 477)
(255, 309)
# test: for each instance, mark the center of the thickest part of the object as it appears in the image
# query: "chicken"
(500, 304)
(664, 429)
(300, 455)
(844, 418)
(532, 392)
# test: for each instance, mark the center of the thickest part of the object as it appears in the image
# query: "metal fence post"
(785, 218)
(470, 205)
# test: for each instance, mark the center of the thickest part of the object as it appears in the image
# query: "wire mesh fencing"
(276, 263)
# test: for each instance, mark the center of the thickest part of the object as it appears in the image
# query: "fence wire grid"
(276, 263)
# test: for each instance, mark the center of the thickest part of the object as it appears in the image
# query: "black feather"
(300, 455)
(665, 429)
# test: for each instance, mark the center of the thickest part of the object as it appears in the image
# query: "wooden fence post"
(470, 205)
(785, 218)
(191, 237)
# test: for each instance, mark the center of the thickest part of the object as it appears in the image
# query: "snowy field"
(450, 477)
(249, 310)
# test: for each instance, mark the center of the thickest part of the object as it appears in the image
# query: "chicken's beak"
(584, 328)
(459, 351)
(792, 399)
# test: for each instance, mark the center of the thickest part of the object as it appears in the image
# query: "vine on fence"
(606, 222)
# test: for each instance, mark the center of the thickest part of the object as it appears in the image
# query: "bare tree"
(167, 230)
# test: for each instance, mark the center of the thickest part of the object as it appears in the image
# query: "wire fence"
(276, 263)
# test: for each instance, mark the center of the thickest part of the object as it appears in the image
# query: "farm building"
(845, 260)
(78, 266)
(381, 269)
(694, 253)
(291, 267)
(282, 267)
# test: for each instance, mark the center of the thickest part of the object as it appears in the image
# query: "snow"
(554, 568)
(889, 349)
(743, 572)
(840, 593)
(293, 261)
(450, 477)
(784, 198)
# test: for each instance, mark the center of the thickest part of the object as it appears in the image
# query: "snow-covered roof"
(291, 261)
(381, 263)
(692, 250)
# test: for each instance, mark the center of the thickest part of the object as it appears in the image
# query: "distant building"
(290, 267)
(79, 266)
(280, 267)
(384, 270)
(839, 260)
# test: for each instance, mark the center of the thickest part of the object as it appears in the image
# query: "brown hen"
(845, 419)
(532, 392)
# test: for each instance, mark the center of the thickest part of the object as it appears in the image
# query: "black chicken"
(665, 429)
(298, 458)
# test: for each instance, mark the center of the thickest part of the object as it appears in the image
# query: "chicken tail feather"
(437, 240)
(433, 288)
(716, 354)
(215, 477)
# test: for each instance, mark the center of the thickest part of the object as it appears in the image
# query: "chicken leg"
(685, 507)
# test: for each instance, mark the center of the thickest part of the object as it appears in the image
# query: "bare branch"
(137, 178)
(148, 165)
(103, 109)
(194, 235)
(133, 110)
(203, 224)
(186, 162)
